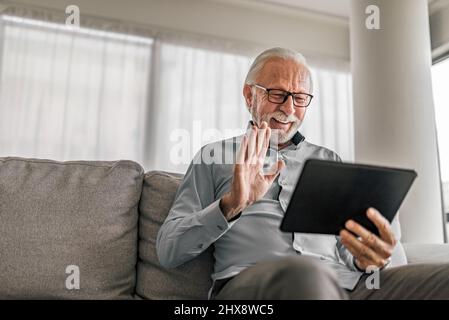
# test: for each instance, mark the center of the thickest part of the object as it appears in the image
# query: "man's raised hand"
(249, 182)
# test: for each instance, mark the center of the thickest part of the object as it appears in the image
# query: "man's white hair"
(276, 52)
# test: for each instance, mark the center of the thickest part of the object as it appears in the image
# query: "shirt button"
(200, 246)
(220, 228)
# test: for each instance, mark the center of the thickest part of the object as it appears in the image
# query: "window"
(440, 79)
(71, 94)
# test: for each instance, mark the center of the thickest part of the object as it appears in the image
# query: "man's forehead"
(284, 71)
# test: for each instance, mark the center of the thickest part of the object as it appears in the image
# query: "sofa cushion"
(188, 281)
(58, 218)
(427, 253)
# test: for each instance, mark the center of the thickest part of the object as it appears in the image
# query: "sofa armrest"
(426, 253)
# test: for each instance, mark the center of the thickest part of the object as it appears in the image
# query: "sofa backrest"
(192, 280)
(64, 221)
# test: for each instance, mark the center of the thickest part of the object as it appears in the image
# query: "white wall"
(261, 25)
(393, 106)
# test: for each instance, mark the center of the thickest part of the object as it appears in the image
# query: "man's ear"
(248, 95)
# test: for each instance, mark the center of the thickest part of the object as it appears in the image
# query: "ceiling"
(338, 8)
(331, 8)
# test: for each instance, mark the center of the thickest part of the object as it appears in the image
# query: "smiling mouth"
(283, 122)
(280, 125)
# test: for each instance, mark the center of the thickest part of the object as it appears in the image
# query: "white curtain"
(71, 95)
(89, 94)
(197, 99)
(329, 118)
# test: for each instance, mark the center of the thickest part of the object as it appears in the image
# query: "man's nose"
(288, 107)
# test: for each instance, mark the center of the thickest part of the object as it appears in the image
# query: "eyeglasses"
(278, 96)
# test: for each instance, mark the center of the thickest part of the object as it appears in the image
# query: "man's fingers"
(382, 224)
(276, 169)
(266, 142)
(363, 263)
(360, 250)
(370, 239)
(362, 256)
(252, 142)
(348, 243)
(241, 155)
(261, 138)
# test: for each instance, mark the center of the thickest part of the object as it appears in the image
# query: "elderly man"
(238, 207)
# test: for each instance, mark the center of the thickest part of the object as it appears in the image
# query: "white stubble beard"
(277, 136)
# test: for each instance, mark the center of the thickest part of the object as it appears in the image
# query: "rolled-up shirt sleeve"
(195, 220)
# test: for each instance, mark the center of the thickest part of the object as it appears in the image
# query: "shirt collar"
(296, 139)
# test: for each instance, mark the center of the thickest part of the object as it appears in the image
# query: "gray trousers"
(298, 278)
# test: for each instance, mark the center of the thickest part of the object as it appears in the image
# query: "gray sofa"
(102, 218)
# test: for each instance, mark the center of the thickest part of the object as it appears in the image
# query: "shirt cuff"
(213, 220)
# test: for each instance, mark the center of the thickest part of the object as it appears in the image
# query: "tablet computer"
(328, 193)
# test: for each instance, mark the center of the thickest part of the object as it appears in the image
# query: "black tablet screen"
(329, 193)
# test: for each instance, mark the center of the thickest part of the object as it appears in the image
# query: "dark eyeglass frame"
(286, 95)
